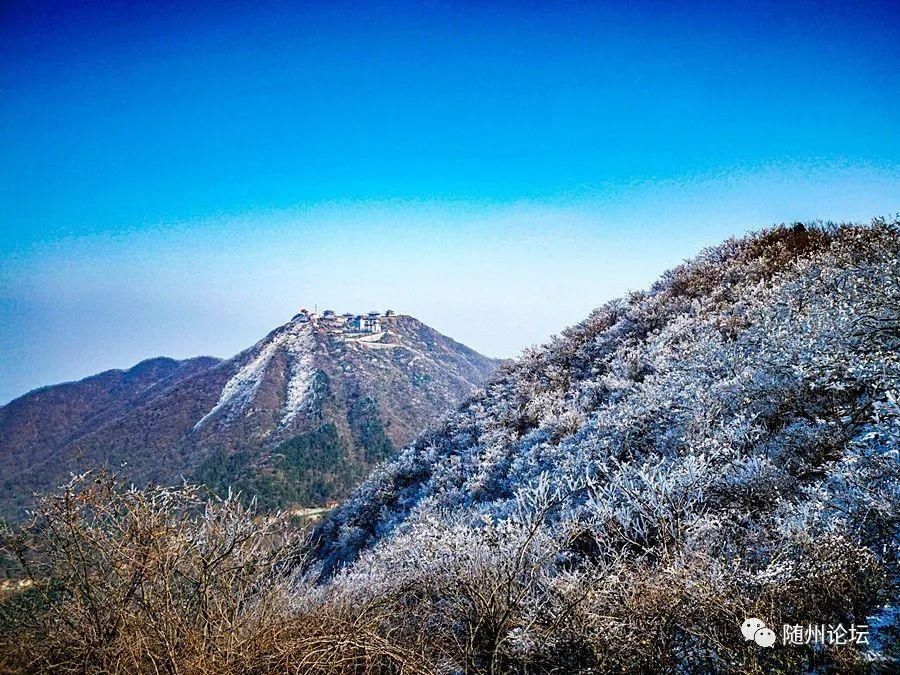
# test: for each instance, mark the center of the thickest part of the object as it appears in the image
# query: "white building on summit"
(358, 323)
(367, 324)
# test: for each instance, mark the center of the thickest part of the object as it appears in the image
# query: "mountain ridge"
(161, 419)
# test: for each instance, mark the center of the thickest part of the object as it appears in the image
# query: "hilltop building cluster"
(347, 322)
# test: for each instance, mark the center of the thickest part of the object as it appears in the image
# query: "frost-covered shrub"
(722, 445)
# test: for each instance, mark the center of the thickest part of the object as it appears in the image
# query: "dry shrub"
(338, 638)
(492, 607)
(163, 580)
(682, 615)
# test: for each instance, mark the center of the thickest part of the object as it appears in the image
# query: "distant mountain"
(721, 446)
(299, 417)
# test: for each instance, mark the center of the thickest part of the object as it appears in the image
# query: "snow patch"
(242, 387)
(302, 373)
(380, 345)
(370, 337)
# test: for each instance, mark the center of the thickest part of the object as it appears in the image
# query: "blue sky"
(177, 178)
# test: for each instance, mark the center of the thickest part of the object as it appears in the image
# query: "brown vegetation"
(158, 580)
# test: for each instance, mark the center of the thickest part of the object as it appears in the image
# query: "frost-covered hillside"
(722, 445)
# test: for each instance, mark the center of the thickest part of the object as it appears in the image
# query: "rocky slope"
(297, 418)
(722, 446)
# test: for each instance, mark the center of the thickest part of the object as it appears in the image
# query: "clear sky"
(177, 178)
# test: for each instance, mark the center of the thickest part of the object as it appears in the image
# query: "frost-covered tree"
(722, 445)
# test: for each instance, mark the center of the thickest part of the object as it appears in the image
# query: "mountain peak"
(351, 387)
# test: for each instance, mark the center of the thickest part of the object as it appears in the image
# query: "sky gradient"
(178, 178)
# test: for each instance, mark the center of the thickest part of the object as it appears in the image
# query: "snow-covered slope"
(722, 446)
(299, 416)
(297, 340)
